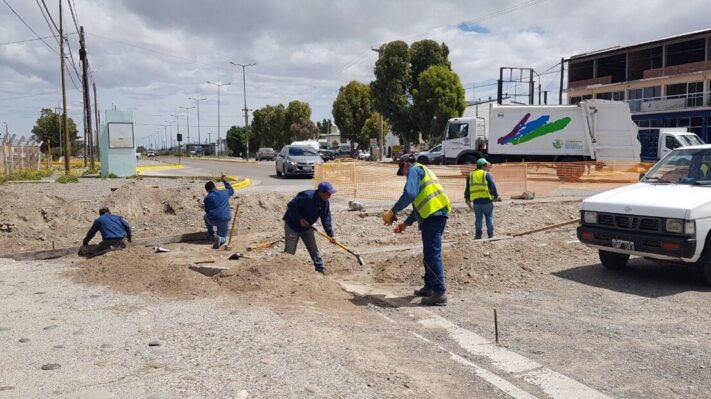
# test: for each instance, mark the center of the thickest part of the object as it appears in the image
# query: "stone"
(51, 366)
(7, 388)
(154, 343)
(52, 327)
(106, 346)
(242, 394)
(58, 346)
(24, 340)
(312, 389)
(156, 365)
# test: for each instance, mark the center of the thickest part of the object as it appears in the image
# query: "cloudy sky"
(151, 56)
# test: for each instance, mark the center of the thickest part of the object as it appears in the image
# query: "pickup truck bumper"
(667, 247)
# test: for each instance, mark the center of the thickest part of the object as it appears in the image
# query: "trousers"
(432, 229)
(291, 240)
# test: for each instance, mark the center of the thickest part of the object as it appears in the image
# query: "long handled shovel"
(232, 230)
(360, 258)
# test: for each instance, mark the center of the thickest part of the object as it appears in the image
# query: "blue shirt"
(492, 190)
(112, 227)
(309, 206)
(412, 188)
(217, 203)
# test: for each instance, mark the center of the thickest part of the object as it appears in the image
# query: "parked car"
(327, 155)
(151, 154)
(343, 151)
(363, 155)
(297, 160)
(434, 156)
(265, 153)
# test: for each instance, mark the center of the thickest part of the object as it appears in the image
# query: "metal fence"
(370, 180)
(17, 155)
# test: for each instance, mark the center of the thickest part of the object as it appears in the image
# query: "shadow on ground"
(641, 277)
(382, 302)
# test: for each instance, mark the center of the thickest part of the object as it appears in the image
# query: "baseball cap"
(404, 158)
(481, 162)
(326, 187)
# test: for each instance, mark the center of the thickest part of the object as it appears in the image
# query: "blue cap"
(326, 187)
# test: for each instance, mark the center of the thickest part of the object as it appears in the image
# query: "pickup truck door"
(667, 143)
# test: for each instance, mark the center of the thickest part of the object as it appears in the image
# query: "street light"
(197, 103)
(217, 147)
(244, 87)
(187, 115)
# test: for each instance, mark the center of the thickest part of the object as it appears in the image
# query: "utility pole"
(244, 88)
(67, 145)
(209, 139)
(177, 126)
(382, 143)
(197, 104)
(187, 116)
(217, 148)
(560, 89)
(88, 135)
(96, 114)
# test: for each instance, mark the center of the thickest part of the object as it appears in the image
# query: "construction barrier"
(20, 155)
(371, 180)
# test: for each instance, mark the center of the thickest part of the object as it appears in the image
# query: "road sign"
(180, 137)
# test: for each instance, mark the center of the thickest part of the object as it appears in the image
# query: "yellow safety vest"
(478, 187)
(431, 197)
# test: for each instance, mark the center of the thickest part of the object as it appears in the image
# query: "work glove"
(388, 217)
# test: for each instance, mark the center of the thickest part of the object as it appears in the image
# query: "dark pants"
(110, 244)
(483, 211)
(291, 239)
(432, 229)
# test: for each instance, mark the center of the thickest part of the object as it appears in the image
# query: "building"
(666, 82)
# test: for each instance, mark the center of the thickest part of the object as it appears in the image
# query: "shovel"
(360, 258)
(232, 230)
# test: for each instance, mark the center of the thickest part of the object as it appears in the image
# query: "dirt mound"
(262, 213)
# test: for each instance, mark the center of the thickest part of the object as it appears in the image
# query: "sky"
(150, 57)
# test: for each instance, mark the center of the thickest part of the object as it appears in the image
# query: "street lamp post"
(177, 133)
(217, 147)
(197, 104)
(244, 89)
(187, 117)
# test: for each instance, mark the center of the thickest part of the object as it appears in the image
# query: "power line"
(33, 40)
(29, 27)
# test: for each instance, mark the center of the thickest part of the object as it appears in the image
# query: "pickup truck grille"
(630, 222)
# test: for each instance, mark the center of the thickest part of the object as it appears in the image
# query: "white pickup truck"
(667, 215)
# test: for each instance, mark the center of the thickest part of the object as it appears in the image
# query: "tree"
(353, 106)
(324, 127)
(269, 126)
(297, 111)
(47, 128)
(371, 127)
(397, 73)
(439, 97)
(236, 141)
(304, 129)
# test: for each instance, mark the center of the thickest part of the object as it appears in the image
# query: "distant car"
(151, 154)
(327, 155)
(344, 151)
(434, 156)
(297, 160)
(265, 153)
(363, 155)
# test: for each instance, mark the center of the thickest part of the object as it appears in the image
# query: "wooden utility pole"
(88, 135)
(67, 145)
(96, 115)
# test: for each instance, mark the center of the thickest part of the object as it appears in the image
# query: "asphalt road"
(262, 174)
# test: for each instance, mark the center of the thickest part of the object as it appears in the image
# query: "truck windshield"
(690, 139)
(456, 130)
(683, 166)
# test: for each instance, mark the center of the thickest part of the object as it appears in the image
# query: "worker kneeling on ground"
(114, 233)
(431, 210)
(301, 213)
(480, 194)
(217, 211)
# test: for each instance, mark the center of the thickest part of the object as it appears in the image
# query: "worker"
(114, 233)
(479, 194)
(217, 211)
(301, 213)
(431, 208)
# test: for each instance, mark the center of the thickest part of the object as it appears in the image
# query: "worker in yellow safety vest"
(480, 194)
(431, 210)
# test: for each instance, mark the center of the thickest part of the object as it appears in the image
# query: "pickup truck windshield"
(690, 139)
(683, 166)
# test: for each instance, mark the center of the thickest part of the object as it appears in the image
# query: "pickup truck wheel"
(423, 160)
(613, 260)
(705, 262)
(468, 159)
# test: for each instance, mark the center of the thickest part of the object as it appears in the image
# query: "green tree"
(297, 111)
(269, 126)
(304, 129)
(47, 128)
(439, 97)
(371, 128)
(352, 107)
(236, 141)
(397, 73)
(324, 127)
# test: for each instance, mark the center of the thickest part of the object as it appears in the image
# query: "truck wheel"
(423, 160)
(468, 159)
(705, 262)
(613, 260)
(569, 170)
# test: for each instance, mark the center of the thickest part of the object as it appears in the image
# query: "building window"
(640, 61)
(604, 96)
(581, 70)
(574, 100)
(686, 52)
(691, 92)
(614, 66)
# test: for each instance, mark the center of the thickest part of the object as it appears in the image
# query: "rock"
(51, 366)
(52, 327)
(24, 340)
(8, 227)
(106, 346)
(312, 388)
(242, 394)
(58, 346)
(7, 388)
(156, 365)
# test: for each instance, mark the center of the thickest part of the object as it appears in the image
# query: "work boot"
(216, 242)
(322, 270)
(424, 291)
(437, 299)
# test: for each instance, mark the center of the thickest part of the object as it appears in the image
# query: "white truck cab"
(657, 143)
(666, 216)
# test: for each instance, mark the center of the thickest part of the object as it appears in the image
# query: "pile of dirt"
(261, 213)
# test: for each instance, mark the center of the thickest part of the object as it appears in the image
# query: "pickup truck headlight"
(590, 217)
(690, 227)
(675, 226)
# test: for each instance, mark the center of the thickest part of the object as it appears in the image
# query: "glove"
(388, 217)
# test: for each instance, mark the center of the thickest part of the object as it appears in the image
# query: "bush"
(64, 179)
(27, 175)
(90, 172)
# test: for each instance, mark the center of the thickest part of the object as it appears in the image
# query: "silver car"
(295, 160)
(434, 156)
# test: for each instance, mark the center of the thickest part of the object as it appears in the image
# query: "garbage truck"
(593, 130)
(657, 143)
